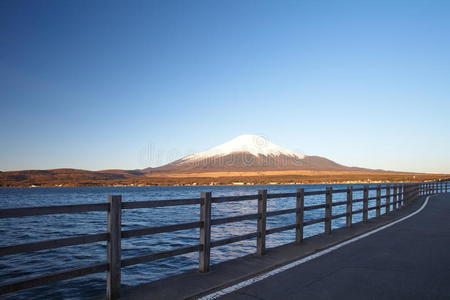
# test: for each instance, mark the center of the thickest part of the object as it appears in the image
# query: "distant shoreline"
(198, 185)
(119, 178)
(229, 181)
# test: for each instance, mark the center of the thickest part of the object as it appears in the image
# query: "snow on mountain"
(248, 143)
(249, 153)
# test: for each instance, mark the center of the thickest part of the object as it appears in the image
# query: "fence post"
(299, 215)
(394, 199)
(262, 210)
(402, 194)
(378, 200)
(388, 199)
(349, 216)
(114, 247)
(328, 209)
(446, 187)
(205, 232)
(366, 204)
(405, 194)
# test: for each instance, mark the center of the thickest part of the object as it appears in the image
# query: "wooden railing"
(396, 196)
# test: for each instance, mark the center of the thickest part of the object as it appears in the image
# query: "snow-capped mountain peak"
(248, 153)
(248, 143)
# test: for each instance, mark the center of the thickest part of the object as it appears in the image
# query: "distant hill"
(65, 176)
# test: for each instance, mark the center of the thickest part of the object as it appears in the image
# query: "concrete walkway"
(410, 260)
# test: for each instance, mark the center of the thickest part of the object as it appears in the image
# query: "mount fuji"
(247, 156)
(250, 153)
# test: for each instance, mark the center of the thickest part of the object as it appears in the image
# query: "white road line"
(250, 281)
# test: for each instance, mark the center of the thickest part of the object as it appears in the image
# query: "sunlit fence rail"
(396, 196)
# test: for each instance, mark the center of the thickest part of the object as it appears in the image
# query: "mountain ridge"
(248, 158)
(250, 153)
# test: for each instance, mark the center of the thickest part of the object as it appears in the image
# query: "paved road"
(410, 260)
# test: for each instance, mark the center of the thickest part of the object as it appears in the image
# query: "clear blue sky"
(100, 85)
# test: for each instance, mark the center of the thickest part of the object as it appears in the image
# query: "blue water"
(28, 229)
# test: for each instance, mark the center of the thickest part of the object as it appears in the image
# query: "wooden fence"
(396, 196)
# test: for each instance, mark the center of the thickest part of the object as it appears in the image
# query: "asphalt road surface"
(409, 260)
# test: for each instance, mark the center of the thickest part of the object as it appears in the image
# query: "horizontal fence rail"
(396, 195)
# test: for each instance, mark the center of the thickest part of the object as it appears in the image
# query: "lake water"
(28, 229)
